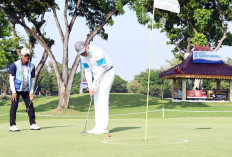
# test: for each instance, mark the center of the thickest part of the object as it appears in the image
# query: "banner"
(197, 94)
(170, 5)
(206, 57)
(218, 94)
(177, 93)
(84, 84)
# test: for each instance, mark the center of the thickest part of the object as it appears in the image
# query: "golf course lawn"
(187, 130)
(175, 137)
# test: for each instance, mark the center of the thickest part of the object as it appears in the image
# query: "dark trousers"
(14, 107)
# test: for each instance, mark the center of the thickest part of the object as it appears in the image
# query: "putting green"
(175, 137)
(148, 141)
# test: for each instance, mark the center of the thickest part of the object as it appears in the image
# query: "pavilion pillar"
(173, 87)
(183, 89)
(230, 90)
(218, 84)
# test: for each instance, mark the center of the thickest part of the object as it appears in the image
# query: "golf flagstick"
(149, 73)
(170, 5)
(34, 93)
(83, 132)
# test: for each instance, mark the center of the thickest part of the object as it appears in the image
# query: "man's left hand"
(32, 96)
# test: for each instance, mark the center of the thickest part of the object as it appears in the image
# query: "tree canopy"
(7, 43)
(158, 87)
(30, 15)
(119, 85)
(199, 22)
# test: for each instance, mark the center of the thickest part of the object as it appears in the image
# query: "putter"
(34, 94)
(84, 132)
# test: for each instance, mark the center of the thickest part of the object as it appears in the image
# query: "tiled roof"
(199, 70)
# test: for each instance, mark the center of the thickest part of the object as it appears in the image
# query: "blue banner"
(206, 57)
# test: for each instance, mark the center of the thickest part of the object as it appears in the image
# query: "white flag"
(170, 5)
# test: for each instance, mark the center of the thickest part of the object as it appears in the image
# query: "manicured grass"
(121, 104)
(174, 137)
(180, 134)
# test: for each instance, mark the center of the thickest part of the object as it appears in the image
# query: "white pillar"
(183, 89)
(230, 90)
(173, 87)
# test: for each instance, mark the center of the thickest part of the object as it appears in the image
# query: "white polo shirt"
(95, 64)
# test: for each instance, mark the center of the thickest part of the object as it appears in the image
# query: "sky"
(128, 44)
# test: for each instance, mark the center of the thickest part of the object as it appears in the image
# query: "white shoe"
(92, 131)
(14, 128)
(34, 127)
(102, 132)
(95, 131)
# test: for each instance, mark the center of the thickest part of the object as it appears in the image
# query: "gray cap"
(80, 47)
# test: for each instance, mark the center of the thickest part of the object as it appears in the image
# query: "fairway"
(187, 129)
(175, 137)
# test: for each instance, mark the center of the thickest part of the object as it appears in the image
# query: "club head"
(83, 132)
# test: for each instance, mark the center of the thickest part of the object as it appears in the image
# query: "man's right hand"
(14, 96)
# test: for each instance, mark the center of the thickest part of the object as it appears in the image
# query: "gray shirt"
(26, 78)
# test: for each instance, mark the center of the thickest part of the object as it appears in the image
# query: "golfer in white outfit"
(99, 73)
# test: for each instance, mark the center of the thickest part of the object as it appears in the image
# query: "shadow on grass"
(43, 107)
(118, 129)
(184, 104)
(78, 103)
(203, 128)
(137, 100)
(5, 102)
(62, 126)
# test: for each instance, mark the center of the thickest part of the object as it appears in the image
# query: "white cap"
(25, 51)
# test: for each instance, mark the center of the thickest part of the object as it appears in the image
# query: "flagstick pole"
(149, 72)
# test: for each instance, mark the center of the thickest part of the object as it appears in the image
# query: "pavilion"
(190, 70)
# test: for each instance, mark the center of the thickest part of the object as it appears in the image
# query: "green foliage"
(46, 83)
(49, 84)
(76, 84)
(7, 52)
(199, 39)
(202, 18)
(207, 84)
(228, 61)
(119, 85)
(5, 26)
(228, 40)
(224, 85)
(7, 44)
(134, 87)
(172, 63)
(94, 12)
(119, 6)
(158, 87)
(4, 82)
(140, 7)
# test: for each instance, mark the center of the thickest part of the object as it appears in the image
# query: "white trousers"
(101, 101)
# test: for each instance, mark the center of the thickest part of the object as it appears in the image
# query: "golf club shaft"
(34, 93)
(88, 114)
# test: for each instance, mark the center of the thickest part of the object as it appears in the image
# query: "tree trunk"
(64, 94)
(198, 84)
(4, 88)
